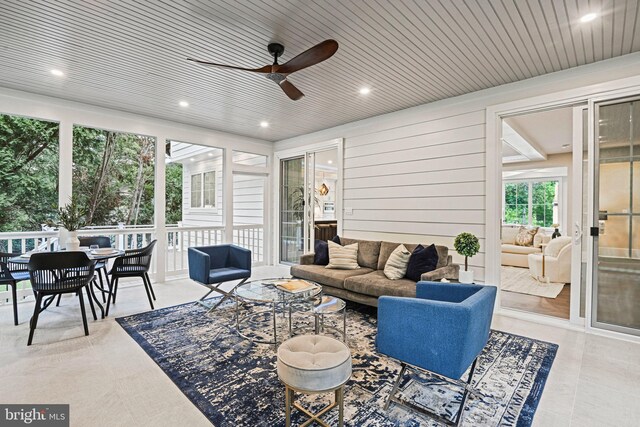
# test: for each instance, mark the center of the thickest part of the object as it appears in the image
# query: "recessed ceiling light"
(264, 124)
(210, 154)
(589, 17)
(330, 161)
(192, 159)
(183, 103)
(365, 91)
(57, 73)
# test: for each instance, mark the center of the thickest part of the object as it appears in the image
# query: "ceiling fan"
(278, 73)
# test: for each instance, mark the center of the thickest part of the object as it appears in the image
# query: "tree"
(28, 172)
(173, 191)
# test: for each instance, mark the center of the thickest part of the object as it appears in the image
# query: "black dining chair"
(134, 263)
(101, 266)
(10, 274)
(56, 273)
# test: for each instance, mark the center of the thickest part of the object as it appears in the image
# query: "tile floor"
(110, 381)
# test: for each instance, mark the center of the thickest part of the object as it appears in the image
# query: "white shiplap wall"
(418, 183)
(248, 199)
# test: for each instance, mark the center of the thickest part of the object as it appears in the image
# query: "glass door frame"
(594, 171)
(305, 151)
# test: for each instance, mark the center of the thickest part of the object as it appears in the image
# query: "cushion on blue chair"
(226, 274)
(442, 330)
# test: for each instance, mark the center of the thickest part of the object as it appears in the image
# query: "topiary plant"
(468, 245)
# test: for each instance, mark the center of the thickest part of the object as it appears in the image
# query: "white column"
(65, 177)
(227, 196)
(160, 208)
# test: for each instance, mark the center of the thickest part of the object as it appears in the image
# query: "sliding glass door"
(616, 228)
(309, 186)
(292, 209)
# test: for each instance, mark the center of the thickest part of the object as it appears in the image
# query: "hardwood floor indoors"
(556, 307)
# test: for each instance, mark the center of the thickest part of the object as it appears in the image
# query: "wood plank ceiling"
(130, 55)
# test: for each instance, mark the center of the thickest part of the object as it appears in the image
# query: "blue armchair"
(441, 331)
(211, 266)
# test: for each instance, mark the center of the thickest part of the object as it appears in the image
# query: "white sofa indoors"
(557, 261)
(515, 255)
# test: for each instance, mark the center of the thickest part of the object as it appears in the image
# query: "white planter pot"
(466, 276)
(73, 243)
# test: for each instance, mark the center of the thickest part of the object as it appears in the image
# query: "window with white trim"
(203, 190)
(531, 202)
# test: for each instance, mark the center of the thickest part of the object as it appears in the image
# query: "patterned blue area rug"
(234, 382)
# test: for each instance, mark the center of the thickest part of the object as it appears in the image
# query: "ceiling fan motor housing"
(276, 77)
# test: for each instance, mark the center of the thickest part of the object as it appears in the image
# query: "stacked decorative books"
(295, 286)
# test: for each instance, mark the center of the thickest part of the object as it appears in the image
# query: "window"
(203, 190)
(533, 203)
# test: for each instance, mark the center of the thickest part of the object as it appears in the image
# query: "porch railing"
(178, 240)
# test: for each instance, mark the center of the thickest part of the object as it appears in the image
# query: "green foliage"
(516, 203)
(113, 176)
(467, 245)
(71, 216)
(28, 172)
(173, 189)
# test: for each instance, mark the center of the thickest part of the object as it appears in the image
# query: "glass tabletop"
(328, 304)
(267, 290)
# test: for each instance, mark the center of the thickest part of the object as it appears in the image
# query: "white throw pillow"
(555, 246)
(509, 235)
(343, 257)
(396, 265)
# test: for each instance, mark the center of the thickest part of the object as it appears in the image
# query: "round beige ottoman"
(314, 364)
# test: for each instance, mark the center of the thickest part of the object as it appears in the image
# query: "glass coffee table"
(271, 294)
(330, 305)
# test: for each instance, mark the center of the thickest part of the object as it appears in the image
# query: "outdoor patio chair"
(56, 273)
(211, 266)
(441, 332)
(134, 263)
(101, 266)
(10, 275)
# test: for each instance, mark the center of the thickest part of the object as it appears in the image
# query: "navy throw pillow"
(422, 260)
(321, 251)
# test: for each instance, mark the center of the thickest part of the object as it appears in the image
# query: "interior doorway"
(309, 201)
(542, 158)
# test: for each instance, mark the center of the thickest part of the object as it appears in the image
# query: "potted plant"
(71, 218)
(467, 245)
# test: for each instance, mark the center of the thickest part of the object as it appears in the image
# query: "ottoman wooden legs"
(289, 396)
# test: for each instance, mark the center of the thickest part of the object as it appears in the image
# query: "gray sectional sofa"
(367, 283)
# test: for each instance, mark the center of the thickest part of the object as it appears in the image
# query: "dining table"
(97, 255)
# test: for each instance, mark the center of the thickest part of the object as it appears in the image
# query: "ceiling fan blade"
(310, 57)
(291, 91)
(265, 69)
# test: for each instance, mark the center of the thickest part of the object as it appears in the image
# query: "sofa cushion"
(333, 278)
(343, 257)
(396, 265)
(515, 249)
(525, 236)
(422, 261)
(509, 235)
(376, 284)
(387, 247)
(321, 251)
(368, 251)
